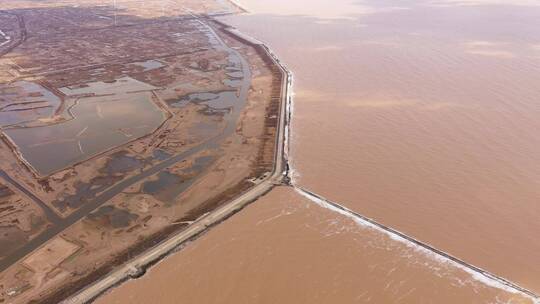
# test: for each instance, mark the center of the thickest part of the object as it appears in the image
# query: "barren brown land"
(120, 126)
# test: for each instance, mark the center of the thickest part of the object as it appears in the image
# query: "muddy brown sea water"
(286, 249)
(422, 115)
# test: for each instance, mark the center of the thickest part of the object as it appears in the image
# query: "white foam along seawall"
(476, 273)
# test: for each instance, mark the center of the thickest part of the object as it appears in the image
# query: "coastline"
(279, 175)
(482, 275)
(479, 274)
(138, 267)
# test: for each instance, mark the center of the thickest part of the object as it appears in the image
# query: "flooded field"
(286, 249)
(421, 115)
(149, 65)
(104, 116)
(168, 186)
(24, 101)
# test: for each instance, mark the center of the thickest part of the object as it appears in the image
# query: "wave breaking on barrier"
(476, 273)
(483, 276)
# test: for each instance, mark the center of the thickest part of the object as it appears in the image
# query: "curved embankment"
(280, 175)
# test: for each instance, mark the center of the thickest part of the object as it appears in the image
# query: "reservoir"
(106, 116)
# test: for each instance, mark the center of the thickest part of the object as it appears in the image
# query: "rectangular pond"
(98, 123)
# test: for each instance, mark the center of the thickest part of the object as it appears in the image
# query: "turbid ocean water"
(422, 115)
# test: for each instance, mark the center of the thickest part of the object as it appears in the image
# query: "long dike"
(280, 103)
(280, 176)
(483, 275)
(488, 277)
